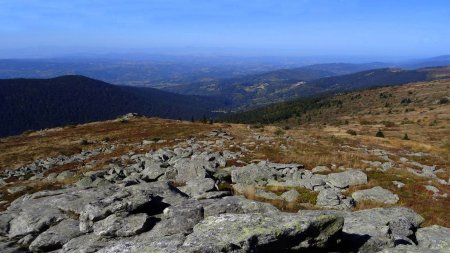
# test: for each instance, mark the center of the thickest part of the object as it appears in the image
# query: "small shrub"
(405, 137)
(279, 132)
(123, 121)
(447, 144)
(286, 127)
(106, 139)
(365, 122)
(379, 134)
(388, 124)
(257, 126)
(351, 132)
(84, 142)
(406, 101)
(444, 101)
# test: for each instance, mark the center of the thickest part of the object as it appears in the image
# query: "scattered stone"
(84, 182)
(65, 175)
(387, 166)
(334, 199)
(436, 192)
(376, 194)
(147, 142)
(16, 189)
(347, 178)
(266, 195)
(398, 184)
(320, 169)
(291, 195)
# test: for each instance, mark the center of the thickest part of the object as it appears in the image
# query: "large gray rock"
(5, 218)
(434, 237)
(334, 199)
(347, 178)
(65, 175)
(376, 194)
(253, 173)
(190, 169)
(180, 218)
(259, 193)
(152, 170)
(117, 225)
(290, 196)
(84, 182)
(197, 187)
(86, 243)
(313, 183)
(261, 232)
(34, 221)
(372, 230)
(55, 237)
(408, 248)
(235, 204)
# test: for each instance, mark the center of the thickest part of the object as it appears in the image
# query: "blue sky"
(401, 28)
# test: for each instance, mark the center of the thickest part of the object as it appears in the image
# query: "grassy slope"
(321, 141)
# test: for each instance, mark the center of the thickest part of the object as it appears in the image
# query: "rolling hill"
(42, 103)
(384, 103)
(271, 87)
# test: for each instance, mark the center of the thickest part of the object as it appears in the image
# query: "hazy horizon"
(377, 30)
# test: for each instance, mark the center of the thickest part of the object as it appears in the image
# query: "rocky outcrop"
(434, 237)
(347, 178)
(372, 230)
(177, 200)
(334, 199)
(376, 194)
(262, 232)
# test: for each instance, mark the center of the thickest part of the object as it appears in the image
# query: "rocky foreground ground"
(185, 198)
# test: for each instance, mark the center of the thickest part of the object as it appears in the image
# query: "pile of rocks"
(169, 200)
(38, 167)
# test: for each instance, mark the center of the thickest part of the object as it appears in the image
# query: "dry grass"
(324, 141)
(19, 150)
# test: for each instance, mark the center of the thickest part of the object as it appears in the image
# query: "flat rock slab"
(261, 232)
(347, 178)
(376, 194)
(434, 237)
(56, 236)
(372, 230)
(114, 225)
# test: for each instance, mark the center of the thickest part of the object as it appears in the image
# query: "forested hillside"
(42, 103)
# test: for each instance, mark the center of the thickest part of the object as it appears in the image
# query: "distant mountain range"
(163, 71)
(42, 103)
(149, 73)
(284, 85)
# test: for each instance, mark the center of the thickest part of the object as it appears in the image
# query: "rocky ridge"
(176, 200)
